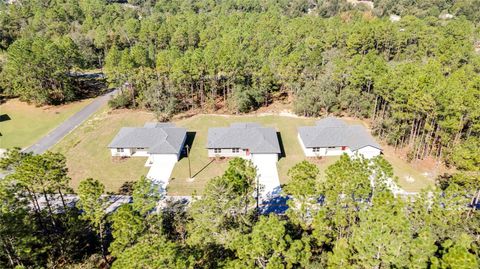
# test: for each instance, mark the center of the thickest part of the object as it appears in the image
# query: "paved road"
(67, 126)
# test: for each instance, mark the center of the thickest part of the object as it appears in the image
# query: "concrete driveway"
(161, 170)
(267, 174)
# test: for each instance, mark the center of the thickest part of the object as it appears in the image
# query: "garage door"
(162, 168)
(267, 174)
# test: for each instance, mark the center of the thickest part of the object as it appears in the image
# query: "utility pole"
(189, 168)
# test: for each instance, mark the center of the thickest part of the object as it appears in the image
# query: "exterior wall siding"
(140, 153)
(323, 151)
(227, 153)
(126, 152)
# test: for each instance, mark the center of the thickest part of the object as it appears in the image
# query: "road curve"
(68, 125)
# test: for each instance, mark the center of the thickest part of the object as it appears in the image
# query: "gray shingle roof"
(331, 132)
(158, 124)
(157, 138)
(330, 122)
(250, 136)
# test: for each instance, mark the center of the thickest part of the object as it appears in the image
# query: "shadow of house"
(4, 117)
(280, 143)
(188, 143)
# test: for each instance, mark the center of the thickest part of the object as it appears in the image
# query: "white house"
(253, 142)
(243, 140)
(162, 143)
(333, 137)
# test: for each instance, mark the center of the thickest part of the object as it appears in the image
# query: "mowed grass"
(88, 156)
(87, 153)
(204, 168)
(21, 124)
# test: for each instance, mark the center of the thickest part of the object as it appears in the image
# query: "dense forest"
(416, 78)
(347, 220)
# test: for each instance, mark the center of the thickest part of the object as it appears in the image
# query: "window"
(332, 147)
(316, 149)
(140, 148)
(119, 149)
(235, 150)
(217, 150)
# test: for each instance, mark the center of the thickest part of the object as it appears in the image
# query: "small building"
(243, 140)
(332, 137)
(162, 143)
(150, 140)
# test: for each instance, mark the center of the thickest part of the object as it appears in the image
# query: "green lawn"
(203, 168)
(22, 124)
(87, 153)
(88, 156)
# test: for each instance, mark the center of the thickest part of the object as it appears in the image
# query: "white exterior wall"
(140, 153)
(368, 152)
(227, 153)
(323, 151)
(126, 152)
(335, 151)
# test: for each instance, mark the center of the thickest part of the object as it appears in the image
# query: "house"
(243, 140)
(150, 140)
(162, 143)
(253, 142)
(332, 137)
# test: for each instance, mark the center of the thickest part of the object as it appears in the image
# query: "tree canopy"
(416, 78)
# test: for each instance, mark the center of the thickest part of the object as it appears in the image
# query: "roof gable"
(331, 122)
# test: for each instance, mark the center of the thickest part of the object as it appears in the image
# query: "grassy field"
(87, 153)
(203, 168)
(22, 124)
(88, 156)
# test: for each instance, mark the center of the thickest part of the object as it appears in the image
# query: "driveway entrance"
(267, 174)
(161, 168)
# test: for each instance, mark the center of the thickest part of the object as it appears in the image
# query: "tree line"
(417, 79)
(346, 218)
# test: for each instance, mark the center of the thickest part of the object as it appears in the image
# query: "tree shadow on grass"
(4, 117)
